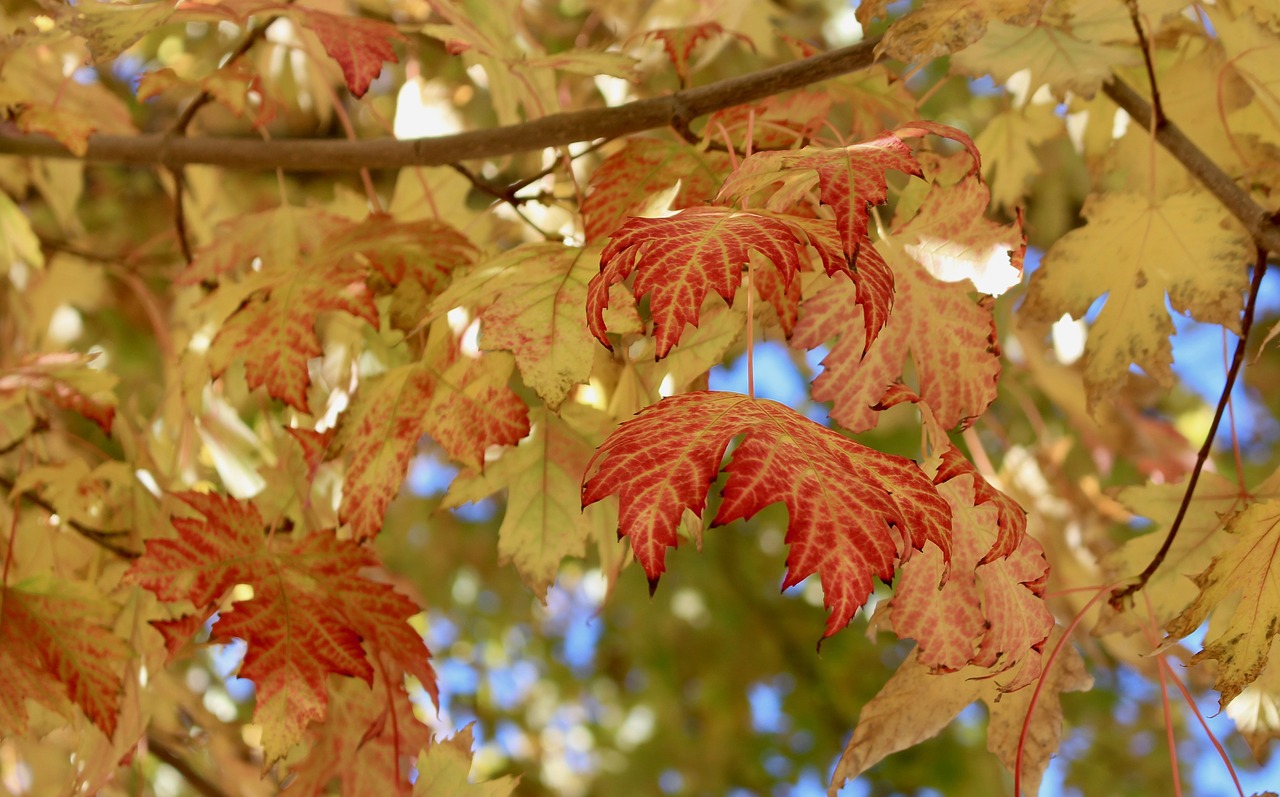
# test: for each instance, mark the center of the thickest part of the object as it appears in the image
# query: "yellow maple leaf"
(1250, 567)
(1054, 57)
(1136, 251)
(938, 28)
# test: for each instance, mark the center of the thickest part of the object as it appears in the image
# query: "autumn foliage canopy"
(367, 379)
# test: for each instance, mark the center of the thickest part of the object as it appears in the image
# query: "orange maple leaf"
(312, 613)
(56, 643)
(464, 404)
(855, 512)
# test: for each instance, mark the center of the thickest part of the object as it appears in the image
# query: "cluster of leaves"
(210, 401)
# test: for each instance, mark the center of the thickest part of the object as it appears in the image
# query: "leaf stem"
(1246, 322)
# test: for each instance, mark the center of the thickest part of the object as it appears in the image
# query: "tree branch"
(550, 131)
(1264, 230)
(163, 752)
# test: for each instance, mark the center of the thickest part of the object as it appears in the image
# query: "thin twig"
(1136, 19)
(549, 131)
(1246, 321)
(163, 752)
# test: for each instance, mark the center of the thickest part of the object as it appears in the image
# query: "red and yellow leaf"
(66, 380)
(629, 179)
(679, 43)
(56, 643)
(464, 405)
(681, 258)
(312, 613)
(855, 512)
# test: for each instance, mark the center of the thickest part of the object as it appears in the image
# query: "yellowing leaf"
(941, 27)
(444, 769)
(1251, 569)
(915, 705)
(1008, 144)
(544, 520)
(1136, 252)
(111, 28)
(359, 45)
(855, 512)
(530, 300)
(1055, 58)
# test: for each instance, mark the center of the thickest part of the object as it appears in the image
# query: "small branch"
(321, 155)
(1135, 18)
(1264, 229)
(163, 752)
(102, 539)
(1259, 269)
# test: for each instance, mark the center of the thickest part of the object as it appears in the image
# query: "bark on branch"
(1261, 225)
(549, 131)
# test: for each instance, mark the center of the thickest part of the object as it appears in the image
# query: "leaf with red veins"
(855, 512)
(679, 43)
(950, 337)
(991, 614)
(415, 260)
(683, 257)
(313, 612)
(465, 406)
(874, 292)
(359, 45)
(848, 180)
(1012, 523)
(56, 643)
(274, 331)
(628, 180)
(66, 380)
(366, 743)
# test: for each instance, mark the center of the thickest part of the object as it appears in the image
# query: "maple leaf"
(66, 380)
(915, 705)
(272, 326)
(56, 643)
(312, 613)
(1247, 567)
(627, 181)
(544, 520)
(855, 512)
(359, 45)
(679, 43)
(1054, 57)
(943, 26)
(1136, 251)
(111, 28)
(445, 766)
(365, 743)
(530, 301)
(990, 613)
(681, 258)
(464, 404)
(957, 368)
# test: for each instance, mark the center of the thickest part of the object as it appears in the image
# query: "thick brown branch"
(1262, 228)
(549, 131)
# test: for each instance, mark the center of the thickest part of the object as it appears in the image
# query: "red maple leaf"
(855, 512)
(465, 405)
(627, 180)
(682, 257)
(56, 643)
(65, 380)
(359, 45)
(312, 614)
